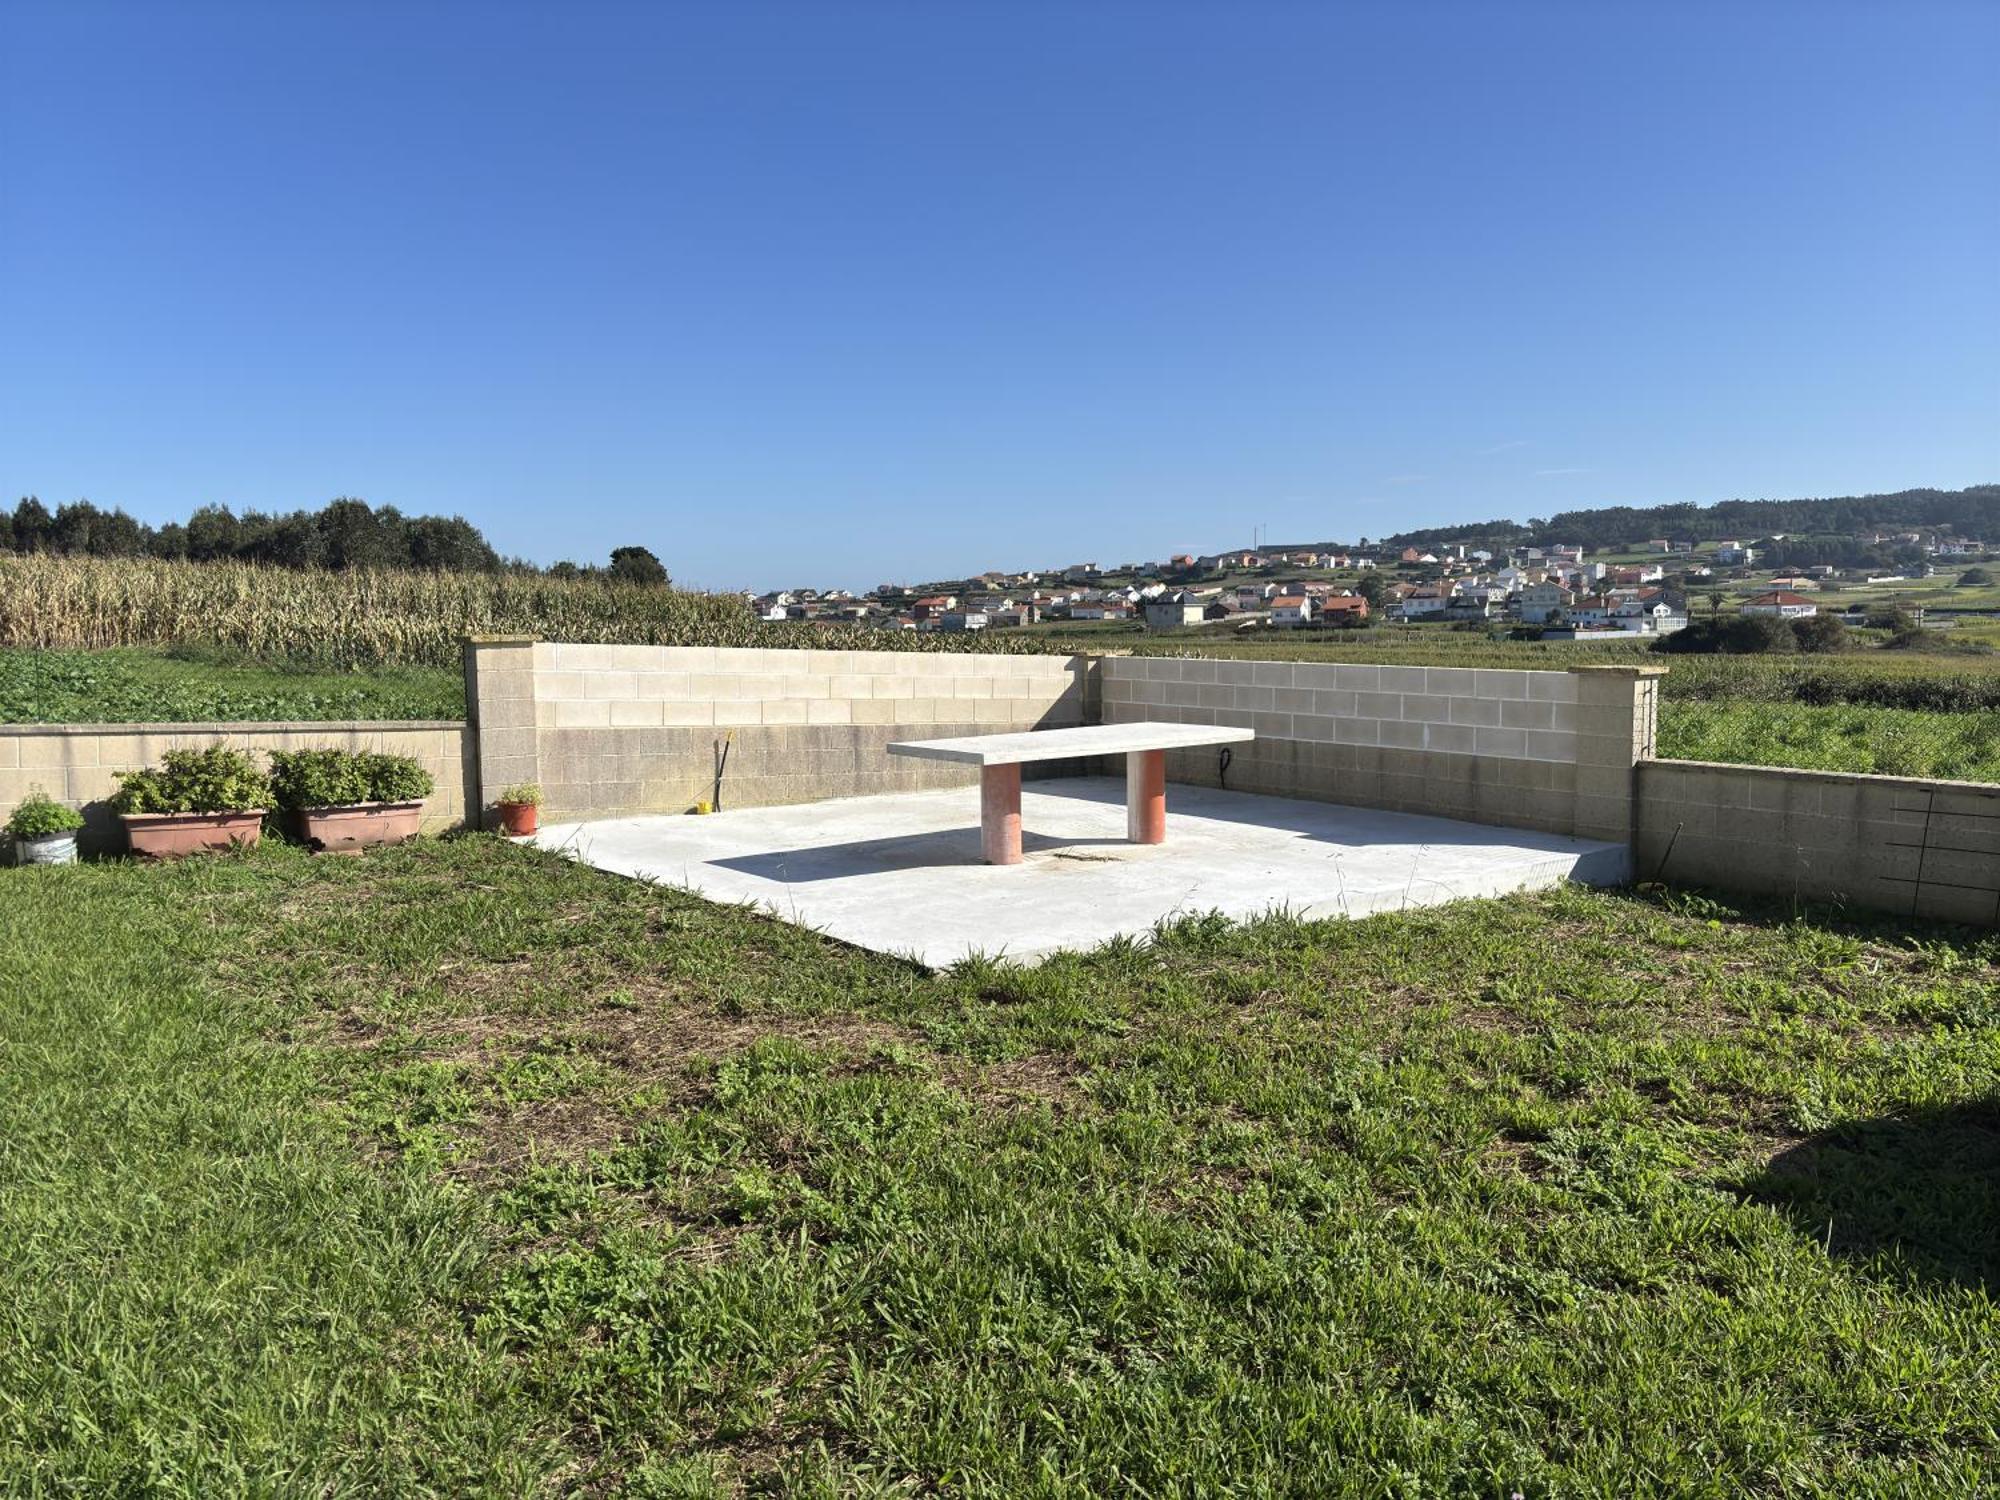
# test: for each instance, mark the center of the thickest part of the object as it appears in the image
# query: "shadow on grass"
(1979, 944)
(1914, 1195)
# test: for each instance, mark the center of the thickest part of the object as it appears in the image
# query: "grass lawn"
(1883, 741)
(462, 1170)
(186, 685)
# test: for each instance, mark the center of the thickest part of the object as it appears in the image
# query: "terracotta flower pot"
(519, 819)
(170, 835)
(361, 825)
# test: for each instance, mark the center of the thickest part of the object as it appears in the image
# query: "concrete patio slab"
(902, 874)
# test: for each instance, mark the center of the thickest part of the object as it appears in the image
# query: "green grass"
(461, 1170)
(1886, 741)
(187, 685)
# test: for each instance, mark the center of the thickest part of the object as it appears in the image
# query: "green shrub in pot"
(44, 830)
(396, 778)
(343, 801)
(214, 780)
(317, 778)
(194, 801)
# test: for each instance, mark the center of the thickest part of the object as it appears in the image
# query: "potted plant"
(343, 801)
(520, 809)
(44, 830)
(195, 801)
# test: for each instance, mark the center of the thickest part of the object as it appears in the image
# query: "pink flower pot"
(349, 830)
(170, 835)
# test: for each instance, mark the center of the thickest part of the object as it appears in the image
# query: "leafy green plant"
(342, 778)
(317, 778)
(39, 815)
(396, 778)
(523, 794)
(217, 779)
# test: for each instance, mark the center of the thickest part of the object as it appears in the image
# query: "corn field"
(360, 619)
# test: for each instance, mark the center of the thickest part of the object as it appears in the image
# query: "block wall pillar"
(500, 714)
(1617, 722)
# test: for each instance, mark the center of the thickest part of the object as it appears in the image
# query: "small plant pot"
(362, 825)
(519, 819)
(49, 849)
(171, 835)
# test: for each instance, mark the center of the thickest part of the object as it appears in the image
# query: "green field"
(1882, 741)
(461, 1170)
(195, 685)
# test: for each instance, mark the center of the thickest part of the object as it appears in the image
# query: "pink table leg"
(1146, 796)
(1000, 814)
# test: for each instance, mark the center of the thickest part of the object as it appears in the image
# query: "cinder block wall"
(77, 763)
(630, 729)
(1488, 746)
(1895, 844)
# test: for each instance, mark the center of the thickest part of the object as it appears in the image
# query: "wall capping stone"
(1842, 778)
(1614, 669)
(233, 726)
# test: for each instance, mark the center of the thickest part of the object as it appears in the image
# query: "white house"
(1653, 616)
(1291, 610)
(1781, 603)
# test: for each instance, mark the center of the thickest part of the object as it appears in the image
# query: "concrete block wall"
(630, 729)
(1890, 843)
(1489, 746)
(77, 763)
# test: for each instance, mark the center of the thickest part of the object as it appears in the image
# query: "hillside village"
(1555, 592)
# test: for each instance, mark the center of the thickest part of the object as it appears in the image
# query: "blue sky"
(842, 292)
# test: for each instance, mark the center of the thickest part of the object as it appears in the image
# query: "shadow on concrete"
(1914, 1195)
(916, 851)
(1351, 823)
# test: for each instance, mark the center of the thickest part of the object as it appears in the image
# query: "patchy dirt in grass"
(503, 1141)
(1052, 1078)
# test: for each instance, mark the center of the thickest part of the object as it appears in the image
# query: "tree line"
(1973, 511)
(346, 533)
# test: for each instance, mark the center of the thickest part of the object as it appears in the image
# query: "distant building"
(1540, 600)
(1291, 610)
(1780, 603)
(1172, 611)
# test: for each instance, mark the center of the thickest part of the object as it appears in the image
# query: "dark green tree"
(169, 541)
(32, 524)
(1821, 634)
(212, 533)
(448, 544)
(116, 534)
(638, 565)
(288, 541)
(352, 536)
(69, 533)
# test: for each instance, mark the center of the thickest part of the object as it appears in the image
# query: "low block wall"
(1487, 746)
(1895, 844)
(77, 763)
(611, 730)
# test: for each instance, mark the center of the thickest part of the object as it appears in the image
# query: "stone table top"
(1063, 744)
